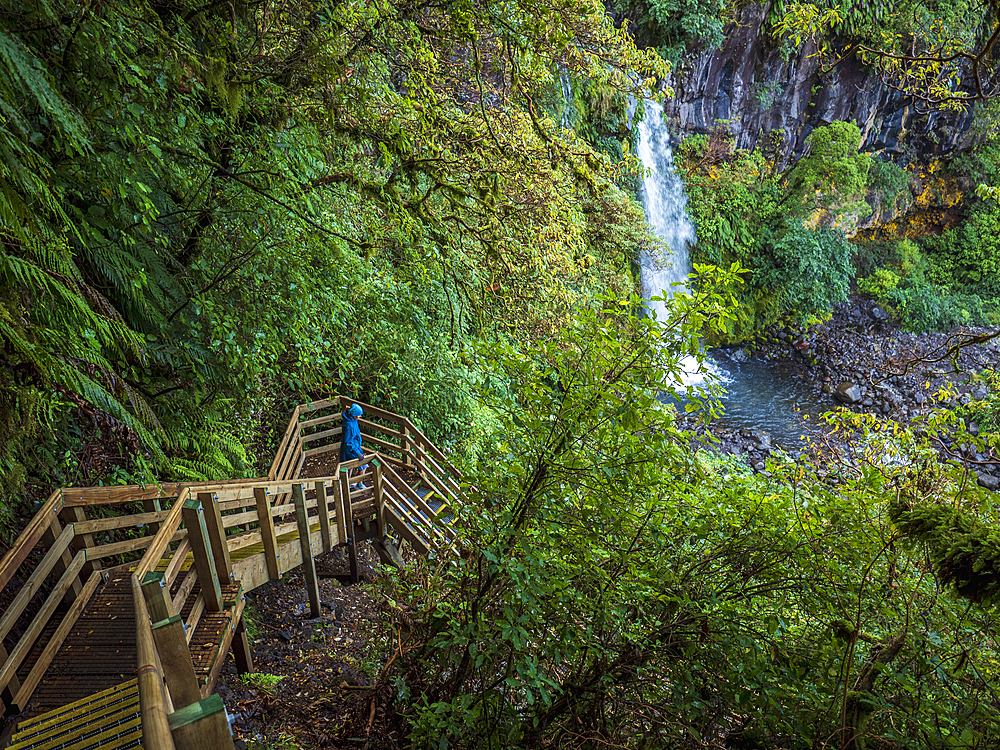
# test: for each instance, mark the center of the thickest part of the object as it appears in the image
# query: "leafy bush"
(879, 284)
(811, 269)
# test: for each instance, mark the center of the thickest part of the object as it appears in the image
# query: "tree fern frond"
(23, 67)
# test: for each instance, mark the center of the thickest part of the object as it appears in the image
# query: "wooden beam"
(84, 538)
(8, 692)
(49, 537)
(83, 526)
(379, 498)
(323, 508)
(184, 590)
(177, 559)
(158, 602)
(267, 536)
(201, 726)
(197, 610)
(217, 535)
(153, 702)
(308, 563)
(204, 559)
(28, 538)
(175, 660)
(162, 539)
(241, 648)
(41, 619)
(34, 583)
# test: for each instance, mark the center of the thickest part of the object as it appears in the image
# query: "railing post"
(267, 536)
(201, 726)
(347, 522)
(153, 505)
(404, 431)
(204, 560)
(379, 499)
(323, 508)
(308, 564)
(171, 643)
(217, 535)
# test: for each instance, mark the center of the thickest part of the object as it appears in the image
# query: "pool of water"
(765, 395)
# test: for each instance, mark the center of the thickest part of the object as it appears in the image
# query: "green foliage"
(965, 550)
(890, 185)
(209, 210)
(678, 24)
(262, 681)
(612, 591)
(879, 284)
(968, 256)
(833, 176)
(811, 268)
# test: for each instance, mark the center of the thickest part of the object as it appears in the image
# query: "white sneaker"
(362, 486)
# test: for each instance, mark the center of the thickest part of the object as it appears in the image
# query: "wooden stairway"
(169, 607)
(109, 720)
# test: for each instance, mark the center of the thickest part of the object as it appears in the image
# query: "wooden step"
(109, 719)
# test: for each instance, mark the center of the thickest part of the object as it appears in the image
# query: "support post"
(201, 726)
(241, 648)
(158, 602)
(175, 658)
(217, 535)
(152, 505)
(323, 508)
(204, 560)
(379, 498)
(404, 431)
(267, 536)
(13, 687)
(308, 563)
(170, 640)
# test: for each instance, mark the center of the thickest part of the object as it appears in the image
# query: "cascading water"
(665, 269)
(758, 395)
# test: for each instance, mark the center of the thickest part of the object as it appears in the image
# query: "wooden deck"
(156, 632)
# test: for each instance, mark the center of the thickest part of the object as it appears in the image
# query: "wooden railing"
(176, 537)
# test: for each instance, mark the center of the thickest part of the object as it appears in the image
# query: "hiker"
(350, 446)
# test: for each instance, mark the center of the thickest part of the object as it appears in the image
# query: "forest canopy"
(209, 205)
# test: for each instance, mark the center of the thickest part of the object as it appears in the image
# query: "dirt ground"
(325, 690)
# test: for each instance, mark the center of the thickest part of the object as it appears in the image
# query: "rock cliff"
(775, 101)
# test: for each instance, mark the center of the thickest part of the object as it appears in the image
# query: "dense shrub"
(811, 269)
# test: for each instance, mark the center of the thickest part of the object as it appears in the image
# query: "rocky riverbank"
(861, 361)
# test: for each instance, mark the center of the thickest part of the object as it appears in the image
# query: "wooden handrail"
(28, 538)
(162, 539)
(153, 707)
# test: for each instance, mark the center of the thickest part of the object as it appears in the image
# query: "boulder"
(847, 393)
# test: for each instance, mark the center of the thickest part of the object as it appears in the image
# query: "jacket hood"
(354, 412)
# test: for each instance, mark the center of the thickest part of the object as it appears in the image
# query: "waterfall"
(665, 202)
(666, 209)
(568, 105)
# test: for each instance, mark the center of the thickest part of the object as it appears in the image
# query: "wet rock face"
(748, 83)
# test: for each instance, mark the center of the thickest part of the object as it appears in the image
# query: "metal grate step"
(109, 720)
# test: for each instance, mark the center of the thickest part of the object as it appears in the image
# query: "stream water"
(758, 395)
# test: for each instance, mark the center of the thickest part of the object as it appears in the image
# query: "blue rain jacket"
(350, 447)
